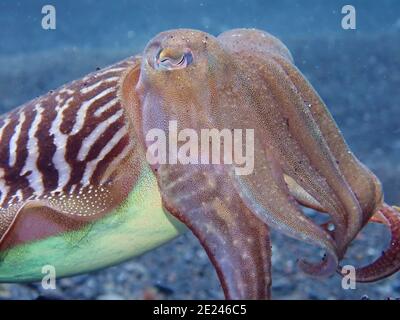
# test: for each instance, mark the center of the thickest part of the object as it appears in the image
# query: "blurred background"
(357, 73)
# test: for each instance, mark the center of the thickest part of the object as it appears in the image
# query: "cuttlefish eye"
(171, 59)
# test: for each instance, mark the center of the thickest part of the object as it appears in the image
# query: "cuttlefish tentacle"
(274, 106)
(363, 182)
(281, 69)
(307, 133)
(264, 45)
(389, 262)
(295, 162)
(235, 240)
(267, 195)
(332, 191)
(267, 181)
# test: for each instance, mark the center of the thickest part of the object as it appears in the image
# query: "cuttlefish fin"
(236, 242)
(54, 213)
(389, 262)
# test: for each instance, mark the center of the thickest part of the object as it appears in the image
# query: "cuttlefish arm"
(234, 239)
(364, 184)
(290, 132)
(389, 262)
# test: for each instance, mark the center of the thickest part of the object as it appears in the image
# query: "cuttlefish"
(78, 191)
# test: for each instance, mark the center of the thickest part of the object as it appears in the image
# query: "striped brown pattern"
(66, 141)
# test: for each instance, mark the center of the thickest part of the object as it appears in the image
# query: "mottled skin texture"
(242, 79)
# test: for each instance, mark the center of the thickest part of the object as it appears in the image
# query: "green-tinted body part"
(138, 225)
